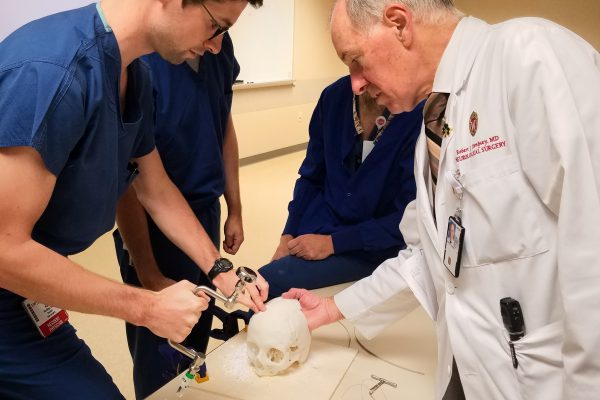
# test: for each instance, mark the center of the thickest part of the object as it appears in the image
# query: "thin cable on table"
(383, 359)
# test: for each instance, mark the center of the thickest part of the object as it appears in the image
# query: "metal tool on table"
(382, 381)
(246, 276)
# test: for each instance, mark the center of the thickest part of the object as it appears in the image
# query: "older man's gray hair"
(364, 13)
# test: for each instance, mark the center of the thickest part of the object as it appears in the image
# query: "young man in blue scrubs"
(75, 130)
(354, 184)
(196, 140)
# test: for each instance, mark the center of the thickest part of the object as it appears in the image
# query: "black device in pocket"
(512, 317)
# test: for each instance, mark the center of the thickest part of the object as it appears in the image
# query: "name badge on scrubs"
(47, 319)
(368, 146)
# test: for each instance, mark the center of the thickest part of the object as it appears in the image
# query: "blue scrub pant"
(155, 363)
(60, 366)
(291, 271)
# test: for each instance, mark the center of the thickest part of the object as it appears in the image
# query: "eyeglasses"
(220, 29)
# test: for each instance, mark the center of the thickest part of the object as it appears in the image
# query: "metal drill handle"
(212, 293)
(190, 353)
(246, 274)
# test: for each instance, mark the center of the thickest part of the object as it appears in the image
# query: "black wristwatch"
(221, 265)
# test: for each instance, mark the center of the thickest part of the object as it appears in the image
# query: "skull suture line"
(278, 338)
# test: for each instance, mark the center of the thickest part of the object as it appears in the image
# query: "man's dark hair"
(253, 3)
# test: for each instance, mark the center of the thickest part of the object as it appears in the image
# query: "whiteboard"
(14, 14)
(263, 40)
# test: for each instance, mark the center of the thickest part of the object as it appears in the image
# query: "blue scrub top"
(59, 93)
(360, 208)
(192, 110)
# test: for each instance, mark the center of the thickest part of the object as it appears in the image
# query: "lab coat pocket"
(501, 214)
(540, 370)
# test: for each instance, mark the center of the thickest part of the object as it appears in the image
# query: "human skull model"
(278, 337)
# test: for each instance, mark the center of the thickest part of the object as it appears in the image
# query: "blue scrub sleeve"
(42, 107)
(228, 89)
(144, 142)
(229, 64)
(371, 235)
(379, 233)
(312, 173)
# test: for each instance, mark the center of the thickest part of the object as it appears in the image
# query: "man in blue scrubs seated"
(196, 140)
(75, 129)
(354, 184)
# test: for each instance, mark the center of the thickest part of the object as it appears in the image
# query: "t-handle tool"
(246, 276)
(381, 382)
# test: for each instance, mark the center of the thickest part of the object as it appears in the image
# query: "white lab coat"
(531, 210)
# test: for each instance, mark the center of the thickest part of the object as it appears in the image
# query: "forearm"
(173, 216)
(133, 226)
(40, 274)
(232, 173)
(171, 213)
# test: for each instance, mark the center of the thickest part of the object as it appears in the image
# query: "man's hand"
(234, 234)
(318, 310)
(175, 311)
(255, 294)
(282, 250)
(311, 247)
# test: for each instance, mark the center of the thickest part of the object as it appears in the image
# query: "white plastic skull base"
(278, 337)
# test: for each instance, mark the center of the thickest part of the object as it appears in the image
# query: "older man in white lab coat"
(517, 170)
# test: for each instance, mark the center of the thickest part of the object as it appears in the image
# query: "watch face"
(221, 265)
(225, 264)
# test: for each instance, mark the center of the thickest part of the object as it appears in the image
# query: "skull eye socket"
(275, 355)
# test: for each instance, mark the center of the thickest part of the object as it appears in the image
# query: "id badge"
(455, 236)
(47, 319)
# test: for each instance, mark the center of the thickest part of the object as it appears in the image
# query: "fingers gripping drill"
(246, 276)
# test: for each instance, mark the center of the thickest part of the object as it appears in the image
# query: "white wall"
(580, 16)
(14, 14)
